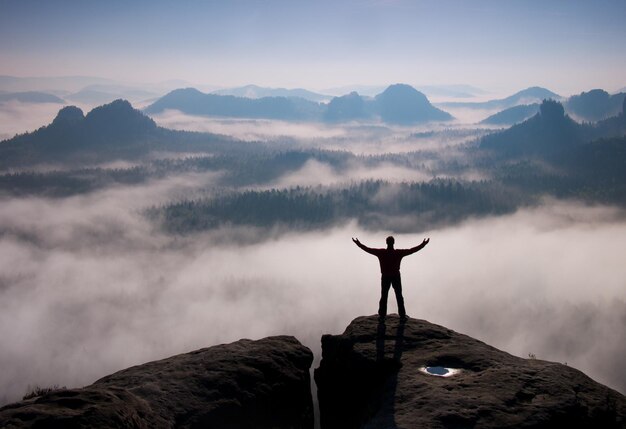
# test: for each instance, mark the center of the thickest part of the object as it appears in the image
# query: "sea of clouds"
(88, 285)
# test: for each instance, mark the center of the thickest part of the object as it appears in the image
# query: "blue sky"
(567, 46)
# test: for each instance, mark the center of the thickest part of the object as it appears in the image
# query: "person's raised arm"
(418, 247)
(363, 246)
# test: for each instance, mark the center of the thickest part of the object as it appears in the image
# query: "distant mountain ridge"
(30, 97)
(113, 131)
(545, 133)
(398, 104)
(595, 105)
(453, 91)
(512, 115)
(67, 83)
(192, 101)
(346, 108)
(111, 127)
(403, 104)
(591, 106)
(255, 91)
(534, 94)
(551, 133)
(101, 94)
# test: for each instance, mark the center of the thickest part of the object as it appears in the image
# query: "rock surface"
(245, 384)
(370, 377)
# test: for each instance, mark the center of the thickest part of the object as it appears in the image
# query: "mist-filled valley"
(126, 239)
(204, 206)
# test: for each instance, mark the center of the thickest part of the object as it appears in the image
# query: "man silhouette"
(390, 259)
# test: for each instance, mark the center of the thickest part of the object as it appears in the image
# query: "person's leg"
(385, 284)
(396, 282)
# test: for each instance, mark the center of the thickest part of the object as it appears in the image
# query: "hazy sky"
(568, 46)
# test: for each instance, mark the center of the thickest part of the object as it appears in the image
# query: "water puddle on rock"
(439, 371)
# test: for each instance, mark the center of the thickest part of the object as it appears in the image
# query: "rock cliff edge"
(394, 375)
(420, 375)
(245, 384)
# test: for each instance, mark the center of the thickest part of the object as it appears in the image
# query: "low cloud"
(88, 286)
(246, 129)
(359, 138)
(314, 173)
(17, 117)
(468, 115)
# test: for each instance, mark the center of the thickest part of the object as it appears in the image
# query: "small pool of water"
(439, 371)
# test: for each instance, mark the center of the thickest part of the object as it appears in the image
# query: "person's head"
(390, 241)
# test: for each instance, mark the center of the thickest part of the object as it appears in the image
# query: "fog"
(246, 129)
(17, 117)
(315, 173)
(360, 138)
(89, 286)
(468, 115)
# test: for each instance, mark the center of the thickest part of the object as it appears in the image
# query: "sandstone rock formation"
(372, 376)
(246, 384)
(398, 375)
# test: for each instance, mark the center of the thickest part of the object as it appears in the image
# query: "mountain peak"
(546, 134)
(535, 92)
(402, 90)
(69, 115)
(118, 118)
(597, 92)
(72, 134)
(186, 91)
(402, 104)
(595, 105)
(346, 108)
(551, 110)
(117, 106)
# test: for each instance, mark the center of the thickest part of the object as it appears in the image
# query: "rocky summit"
(246, 384)
(420, 375)
(412, 374)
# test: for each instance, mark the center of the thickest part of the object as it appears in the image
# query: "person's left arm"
(418, 247)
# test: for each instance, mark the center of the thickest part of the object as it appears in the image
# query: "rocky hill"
(30, 97)
(246, 384)
(530, 95)
(421, 375)
(194, 102)
(114, 131)
(595, 105)
(346, 108)
(398, 104)
(395, 375)
(512, 115)
(548, 132)
(114, 128)
(551, 134)
(114, 123)
(403, 104)
(255, 91)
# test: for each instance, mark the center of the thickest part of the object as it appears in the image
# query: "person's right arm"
(363, 246)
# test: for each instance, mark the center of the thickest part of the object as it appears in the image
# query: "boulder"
(421, 375)
(245, 384)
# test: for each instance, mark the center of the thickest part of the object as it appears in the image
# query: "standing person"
(390, 259)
